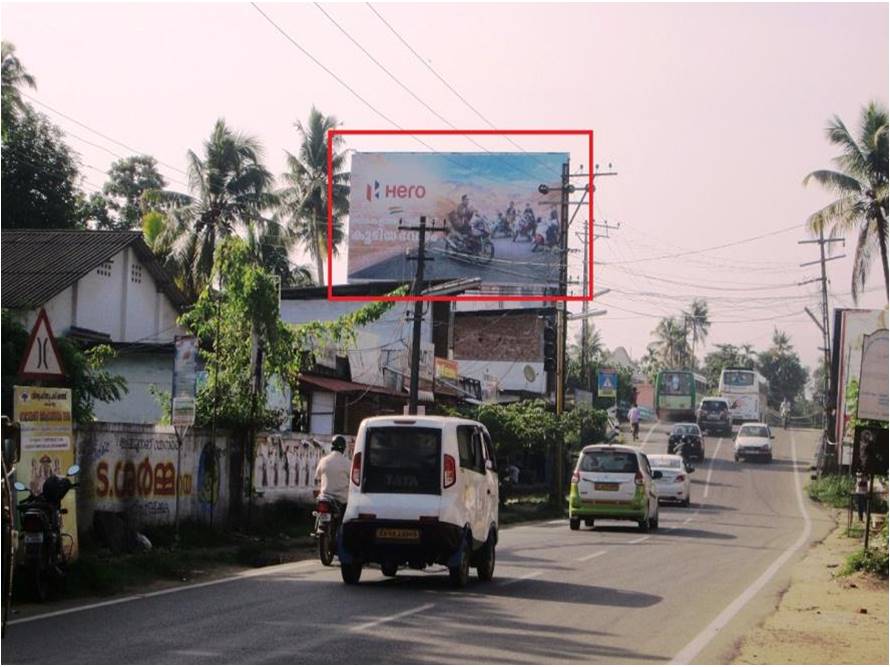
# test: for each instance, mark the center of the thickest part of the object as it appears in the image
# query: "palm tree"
(229, 189)
(781, 342)
(304, 199)
(12, 76)
(270, 245)
(697, 318)
(670, 343)
(860, 184)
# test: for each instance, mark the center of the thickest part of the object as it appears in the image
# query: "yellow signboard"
(44, 415)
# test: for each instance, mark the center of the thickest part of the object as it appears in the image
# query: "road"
(610, 595)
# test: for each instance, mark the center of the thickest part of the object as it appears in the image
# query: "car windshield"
(754, 432)
(402, 460)
(738, 378)
(665, 462)
(675, 383)
(686, 429)
(608, 461)
(713, 405)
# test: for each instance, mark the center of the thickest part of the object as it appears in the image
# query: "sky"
(710, 114)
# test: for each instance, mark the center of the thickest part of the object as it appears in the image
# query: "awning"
(339, 386)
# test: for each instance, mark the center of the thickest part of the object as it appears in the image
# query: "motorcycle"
(546, 235)
(328, 516)
(46, 555)
(526, 228)
(476, 245)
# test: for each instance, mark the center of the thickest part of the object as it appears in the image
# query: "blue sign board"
(607, 384)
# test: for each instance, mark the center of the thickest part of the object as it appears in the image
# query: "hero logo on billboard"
(394, 191)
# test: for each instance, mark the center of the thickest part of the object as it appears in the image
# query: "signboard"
(447, 369)
(607, 383)
(41, 360)
(490, 387)
(493, 196)
(183, 411)
(185, 365)
(873, 402)
(44, 416)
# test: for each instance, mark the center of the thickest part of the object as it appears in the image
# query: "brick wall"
(498, 337)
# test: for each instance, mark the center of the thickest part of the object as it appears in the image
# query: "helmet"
(338, 444)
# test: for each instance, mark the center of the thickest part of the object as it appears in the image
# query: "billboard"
(494, 223)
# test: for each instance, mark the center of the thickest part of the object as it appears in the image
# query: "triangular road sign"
(41, 360)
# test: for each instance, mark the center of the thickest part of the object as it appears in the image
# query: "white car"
(754, 440)
(423, 490)
(674, 483)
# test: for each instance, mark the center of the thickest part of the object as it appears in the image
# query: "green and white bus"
(677, 393)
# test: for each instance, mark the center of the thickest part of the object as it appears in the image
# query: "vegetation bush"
(832, 490)
(873, 560)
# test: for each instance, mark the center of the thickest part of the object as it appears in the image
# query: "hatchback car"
(423, 490)
(613, 482)
(692, 434)
(674, 483)
(713, 415)
(754, 440)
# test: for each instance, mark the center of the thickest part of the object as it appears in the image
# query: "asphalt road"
(685, 593)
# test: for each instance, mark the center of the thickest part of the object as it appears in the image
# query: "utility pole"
(585, 305)
(826, 339)
(417, 320)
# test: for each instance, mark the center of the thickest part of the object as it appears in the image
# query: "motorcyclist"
(510, 214)
(332, 472)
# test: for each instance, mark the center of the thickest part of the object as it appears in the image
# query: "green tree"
(860, 184)
(781, 366)
(85, 369)
(128, 180)
(595, 351)
(697, 324)
(39, 176)
(726, 355)
(270, 246)
(14, 76)
(229, 188)
(669, 348)
(304, 198)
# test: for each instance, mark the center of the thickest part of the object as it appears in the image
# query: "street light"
(584, 316)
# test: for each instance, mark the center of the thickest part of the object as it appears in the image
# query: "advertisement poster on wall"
(498, 226)
(44, 415)
(873, 397)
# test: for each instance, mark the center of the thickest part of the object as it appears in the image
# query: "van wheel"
(574, 523)
(460, 574)
(485, 566)
(389, 569)
(351, 573)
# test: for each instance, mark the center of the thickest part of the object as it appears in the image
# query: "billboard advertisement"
(492, 221)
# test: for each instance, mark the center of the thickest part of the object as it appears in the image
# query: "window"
(489, 449)
(754, 432)
(665, 461)
(136, 273)
(608, 461)
(402, 460)
(104, 268)
(465, 447)
(677, 384)
(738, 378)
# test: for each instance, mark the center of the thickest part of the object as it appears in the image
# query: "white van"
(423, 490)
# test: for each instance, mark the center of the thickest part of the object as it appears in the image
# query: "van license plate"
(605, 486)
(398, 534)
(33, 538)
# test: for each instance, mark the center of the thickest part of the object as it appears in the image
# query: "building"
(99, 287)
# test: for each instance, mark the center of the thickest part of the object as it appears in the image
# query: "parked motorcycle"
(47, 548)
(328, 516)
(476, 246)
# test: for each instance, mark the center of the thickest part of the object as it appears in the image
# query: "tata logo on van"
(373, 192)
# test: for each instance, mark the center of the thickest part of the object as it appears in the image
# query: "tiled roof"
(38, 264)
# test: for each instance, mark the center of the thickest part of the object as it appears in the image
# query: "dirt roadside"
(823, 618)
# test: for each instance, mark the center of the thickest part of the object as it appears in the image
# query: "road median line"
(590, 556)
(513, 580)
(394, 617)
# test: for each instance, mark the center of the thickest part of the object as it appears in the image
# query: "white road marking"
(687, 519)
(693, 648)
(556, 522)
(394, 617)
(640, 539)
(648, 433)
(247, 574)
(199, 654)
(513, 580)
(711, 468)
(590, 556)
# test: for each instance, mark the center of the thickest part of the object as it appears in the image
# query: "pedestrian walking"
(633, 415)
(861, 493)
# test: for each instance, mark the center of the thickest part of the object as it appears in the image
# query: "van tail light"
(449, 474)
(323, 507)
(638, 478)
(576, 477)
(680, 478)
(357, 469)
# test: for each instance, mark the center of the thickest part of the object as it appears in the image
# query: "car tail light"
(576, 477)
(638, 478)
(449, 474)
(32, 523)
(357, 469)
(324, 507)
(680, 478)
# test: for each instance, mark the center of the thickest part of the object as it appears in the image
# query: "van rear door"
(402, 459)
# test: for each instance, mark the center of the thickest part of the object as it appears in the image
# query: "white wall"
(141, 370)
(511, 374)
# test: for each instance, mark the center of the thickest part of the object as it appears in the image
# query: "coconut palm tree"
(229, 189)
(670, 345)
(12, 77)
(270, 245)
(304, 199)
(699, 324)
(860, 184)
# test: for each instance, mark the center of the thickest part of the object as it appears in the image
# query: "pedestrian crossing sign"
(607, 384)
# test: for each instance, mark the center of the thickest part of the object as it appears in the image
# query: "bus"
(746, 391)
(677, 393)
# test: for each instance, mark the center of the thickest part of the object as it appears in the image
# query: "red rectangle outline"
(561, 297)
